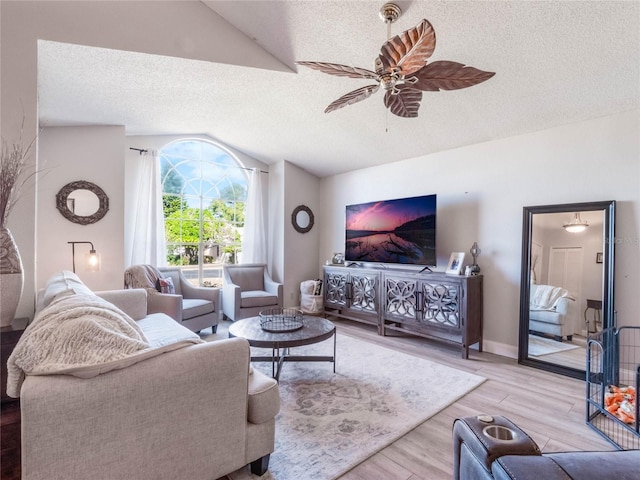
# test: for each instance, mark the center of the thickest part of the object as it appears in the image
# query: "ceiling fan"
(402, 69)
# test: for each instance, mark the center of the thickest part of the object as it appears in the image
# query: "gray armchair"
(194, 307)
(247, 289)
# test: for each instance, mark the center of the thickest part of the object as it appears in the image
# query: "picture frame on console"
(454, 267)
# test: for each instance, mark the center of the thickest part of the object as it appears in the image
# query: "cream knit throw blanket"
(546, 297)
(73, 331)
(142, 276)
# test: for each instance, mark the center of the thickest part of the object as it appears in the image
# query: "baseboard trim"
(501, 349)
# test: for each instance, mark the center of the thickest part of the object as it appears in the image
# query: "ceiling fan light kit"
(402, 70)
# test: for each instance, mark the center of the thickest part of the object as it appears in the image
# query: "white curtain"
(254, 239)
(148, 239)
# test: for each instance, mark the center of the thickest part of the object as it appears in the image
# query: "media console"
(428, 304)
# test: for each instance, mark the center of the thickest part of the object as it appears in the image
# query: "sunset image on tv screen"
(392, 231)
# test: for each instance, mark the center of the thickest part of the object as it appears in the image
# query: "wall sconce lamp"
(92, 259)
(576, 225)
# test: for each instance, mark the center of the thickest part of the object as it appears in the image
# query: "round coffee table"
(314, 330)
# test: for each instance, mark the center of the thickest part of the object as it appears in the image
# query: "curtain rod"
(142, 150)
(247, 168)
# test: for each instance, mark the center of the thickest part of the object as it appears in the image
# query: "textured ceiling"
(556, 63)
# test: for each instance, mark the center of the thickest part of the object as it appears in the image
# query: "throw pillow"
(165, 285)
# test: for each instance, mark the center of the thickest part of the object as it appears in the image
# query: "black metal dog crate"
(613, 377)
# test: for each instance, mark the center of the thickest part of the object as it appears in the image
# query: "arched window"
(203, 193)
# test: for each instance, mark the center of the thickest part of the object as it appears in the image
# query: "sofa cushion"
(63, 284)
(547, 316)
(161, 330)
(162, 346)
(264, 397)
(569, 465)
(619, 464)
(133, 302)
(526, 467)
(257, 298)
(194, 307)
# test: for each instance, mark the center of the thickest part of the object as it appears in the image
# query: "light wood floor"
(576, 358)
(549, 407)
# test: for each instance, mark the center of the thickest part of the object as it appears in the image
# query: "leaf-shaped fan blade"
(352, 97)
(445, 75)
(340, 70)
(410, 50)
(405, 103)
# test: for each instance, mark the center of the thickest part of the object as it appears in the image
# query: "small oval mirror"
(302, 218)
(82, 202)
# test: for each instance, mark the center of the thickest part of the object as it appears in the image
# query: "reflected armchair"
(193, 307)
(552, 311)
(247, 289)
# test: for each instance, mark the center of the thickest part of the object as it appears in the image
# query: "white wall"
(294, 256)
(277, 221)
(301, 249)
(481, 191)
(68, 154)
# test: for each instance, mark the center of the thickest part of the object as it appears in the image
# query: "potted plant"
(14, 173)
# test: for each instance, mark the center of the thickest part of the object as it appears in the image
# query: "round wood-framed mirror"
(82, 202)
(302, 218)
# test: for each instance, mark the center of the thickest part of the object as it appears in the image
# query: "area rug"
(539, 346)
(329, 423)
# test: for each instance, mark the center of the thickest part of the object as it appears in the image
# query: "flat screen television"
(392, 231)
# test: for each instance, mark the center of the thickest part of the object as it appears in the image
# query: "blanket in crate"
(621, 402)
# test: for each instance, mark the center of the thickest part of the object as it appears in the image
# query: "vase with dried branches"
(15, 171)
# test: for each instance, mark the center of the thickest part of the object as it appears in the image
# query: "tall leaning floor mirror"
(566, 288)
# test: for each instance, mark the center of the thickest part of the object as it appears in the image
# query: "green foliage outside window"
(220, 223)
(204, 194)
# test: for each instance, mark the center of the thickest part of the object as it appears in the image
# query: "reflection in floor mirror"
(566, 284)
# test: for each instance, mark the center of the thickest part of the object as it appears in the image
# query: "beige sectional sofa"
(197, 411)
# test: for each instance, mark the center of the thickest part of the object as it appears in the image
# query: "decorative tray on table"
(279, 320)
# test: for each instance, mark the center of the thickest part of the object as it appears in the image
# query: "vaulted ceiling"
(556, 62)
